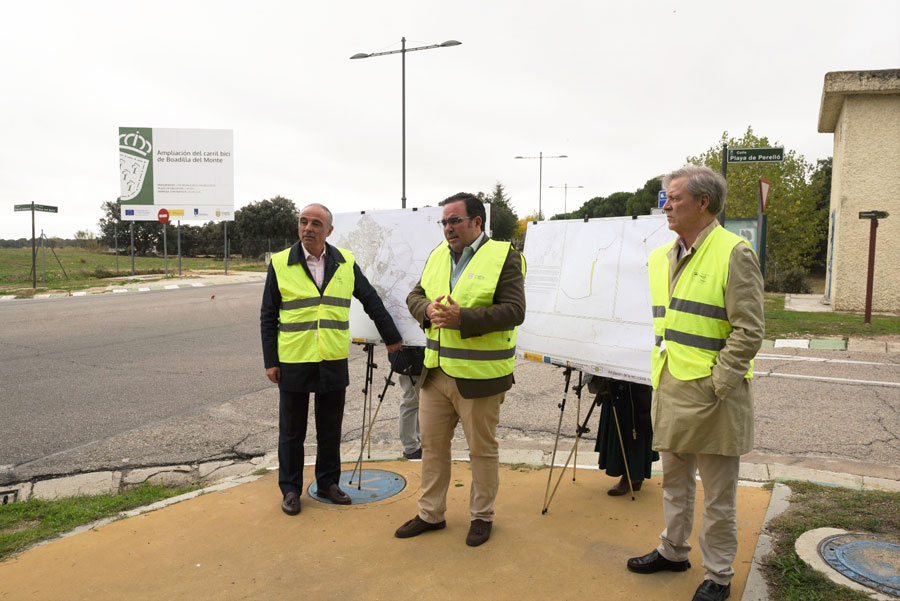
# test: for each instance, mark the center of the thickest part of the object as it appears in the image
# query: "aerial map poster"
(588, 296)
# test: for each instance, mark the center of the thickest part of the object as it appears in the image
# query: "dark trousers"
(293, 409)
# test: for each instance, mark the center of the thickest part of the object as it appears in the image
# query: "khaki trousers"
(441, 407)
(718, 536)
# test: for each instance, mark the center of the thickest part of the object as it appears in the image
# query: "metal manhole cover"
(368, 486)
(864, 559)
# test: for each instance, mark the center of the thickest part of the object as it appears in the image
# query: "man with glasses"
(469, 300)
(305, 325)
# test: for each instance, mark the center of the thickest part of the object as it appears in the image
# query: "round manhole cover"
(368, 486)
(864, 559)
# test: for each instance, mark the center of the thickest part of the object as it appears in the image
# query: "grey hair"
(324, 208)
(701, 180)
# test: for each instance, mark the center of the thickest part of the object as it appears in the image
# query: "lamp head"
(450, 43)
(359, 55)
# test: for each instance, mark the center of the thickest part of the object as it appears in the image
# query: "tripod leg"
(562, 409)
(580, 430)
(622, 445)
(577, 421)
(367, 386)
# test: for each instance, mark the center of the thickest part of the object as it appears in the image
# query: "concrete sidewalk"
(235, 543)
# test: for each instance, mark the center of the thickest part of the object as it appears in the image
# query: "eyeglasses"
(452, 221)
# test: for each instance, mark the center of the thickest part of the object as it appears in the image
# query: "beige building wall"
(862, 109)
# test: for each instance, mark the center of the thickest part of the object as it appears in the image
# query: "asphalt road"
(176, 376)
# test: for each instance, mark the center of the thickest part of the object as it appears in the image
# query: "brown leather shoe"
(291, 503)
(479, 533)
(621, 487)
(334, 494)
(417, 526)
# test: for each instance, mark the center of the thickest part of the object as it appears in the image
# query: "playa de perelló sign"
(188, 172)
(755, 155)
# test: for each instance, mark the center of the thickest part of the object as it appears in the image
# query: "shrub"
(792, 280)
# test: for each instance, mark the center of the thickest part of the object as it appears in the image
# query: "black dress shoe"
(654, 562)
(712, 591)
(291, 503)
(334, 494)
(417, 454)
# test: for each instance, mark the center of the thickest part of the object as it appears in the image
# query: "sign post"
(163, 217)
(763, 192)
(33, 207)
(873, 217)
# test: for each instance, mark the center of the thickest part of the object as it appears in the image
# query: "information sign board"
(190, 172)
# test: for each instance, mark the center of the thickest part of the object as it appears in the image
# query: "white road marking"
(82, 293)
(197, 285)
(171, 286)
(815, 359)
(119, 290)
(828, 379)
(144, 289)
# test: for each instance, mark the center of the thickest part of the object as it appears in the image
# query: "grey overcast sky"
(627, 90)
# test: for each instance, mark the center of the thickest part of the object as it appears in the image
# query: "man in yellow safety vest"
(707, 295)
(469, 301)
(305, 326)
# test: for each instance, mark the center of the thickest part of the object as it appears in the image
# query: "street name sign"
(46, 208)
(22, 207)
(873, 214)
(755, 155)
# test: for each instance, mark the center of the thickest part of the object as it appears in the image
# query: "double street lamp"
(402, 52)
(540, 157)
(565, 188)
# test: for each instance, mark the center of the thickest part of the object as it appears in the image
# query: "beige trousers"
(718, 536)
(441, 407)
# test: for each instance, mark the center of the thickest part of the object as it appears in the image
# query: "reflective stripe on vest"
(313, 327)
(693, 322)
(484, 357)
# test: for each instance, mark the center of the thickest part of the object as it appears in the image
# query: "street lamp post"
(540, 157)
(565, 188)
(402, 52)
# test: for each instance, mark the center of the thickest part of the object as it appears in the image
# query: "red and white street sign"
(764, 186)
(163, 215)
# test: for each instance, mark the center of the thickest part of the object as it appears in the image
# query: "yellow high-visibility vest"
(484, 357)
(691, 327)
(313, 326)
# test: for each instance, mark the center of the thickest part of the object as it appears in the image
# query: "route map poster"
(588, 296)
(188, 172)
(391, 248)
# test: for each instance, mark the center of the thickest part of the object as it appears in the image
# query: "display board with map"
(391, 248)
(588, 296)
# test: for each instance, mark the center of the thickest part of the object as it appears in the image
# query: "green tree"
(821, 185)
(645, 198)
(260, 224)
(504, 220)
(796, 225)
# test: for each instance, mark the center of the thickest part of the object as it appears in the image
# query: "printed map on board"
(587, 294)
(391, 248)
